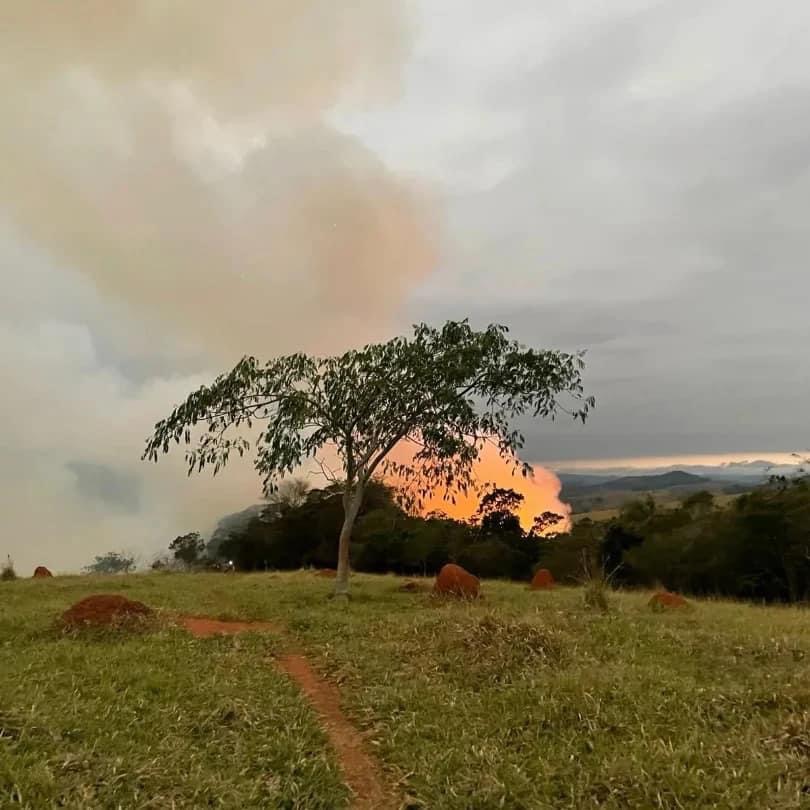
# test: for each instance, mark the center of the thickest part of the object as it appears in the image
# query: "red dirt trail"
(360, 771)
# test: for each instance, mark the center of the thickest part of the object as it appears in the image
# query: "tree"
(113, 562)
(188, 548)
(7, 572)
(290, 493)
(497, 511)
(699, 504)
(545, 521)
(444, 393)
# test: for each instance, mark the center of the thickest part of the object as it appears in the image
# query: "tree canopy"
(755, 547)
(188, 548)
(113, 562)
(444, 392)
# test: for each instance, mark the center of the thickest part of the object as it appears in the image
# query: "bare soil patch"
(202, 627)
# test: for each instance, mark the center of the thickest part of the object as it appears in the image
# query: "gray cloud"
(100, 482)
(655, 214)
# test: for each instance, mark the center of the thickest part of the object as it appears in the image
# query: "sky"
(628, 178)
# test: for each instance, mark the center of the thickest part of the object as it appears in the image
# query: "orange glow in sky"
(541, 491)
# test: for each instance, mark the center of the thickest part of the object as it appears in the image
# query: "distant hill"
(583, 480)
(580, 484)
(651, 483)
(587, 492)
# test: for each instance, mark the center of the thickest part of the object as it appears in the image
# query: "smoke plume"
(179, 156)
(175, 166)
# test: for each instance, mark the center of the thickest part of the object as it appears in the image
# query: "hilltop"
(587, 492)
(527, 699)
(632, 483)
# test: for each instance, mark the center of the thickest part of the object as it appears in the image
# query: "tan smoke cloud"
(242, 57)
(62, 405)
(178, 154)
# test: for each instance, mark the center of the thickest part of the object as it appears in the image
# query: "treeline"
(300, 529)
(757, 547)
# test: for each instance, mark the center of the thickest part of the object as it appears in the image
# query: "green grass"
(154, 720)
(526, 700)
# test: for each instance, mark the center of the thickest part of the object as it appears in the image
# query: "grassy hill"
(641, 483)
(665, 499)
(603, 495)
(524, 700)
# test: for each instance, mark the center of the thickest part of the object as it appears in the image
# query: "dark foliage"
(7, 572)
(386, 538)
(757, 548)
(188, 548)
(113, 562)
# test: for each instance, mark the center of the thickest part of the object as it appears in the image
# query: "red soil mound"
(200, 627)
(105, 610)
(453, 580)
(330, 573)
(41, 571)
(664, 600)
(542, 580)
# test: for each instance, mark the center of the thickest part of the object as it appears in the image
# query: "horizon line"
(775, 457)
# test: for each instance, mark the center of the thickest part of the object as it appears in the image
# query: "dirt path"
(360, 771)
(201, 627)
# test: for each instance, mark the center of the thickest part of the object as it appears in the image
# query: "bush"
(596, 583)
(7, 573)
(596, 594)
(113, 562)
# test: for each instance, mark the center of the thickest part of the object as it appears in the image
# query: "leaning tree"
(441, 395)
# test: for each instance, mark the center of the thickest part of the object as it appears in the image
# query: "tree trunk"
(351, 506)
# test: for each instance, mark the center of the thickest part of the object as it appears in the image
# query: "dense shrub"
(756, 548)
(7, 572)
(385, 539)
